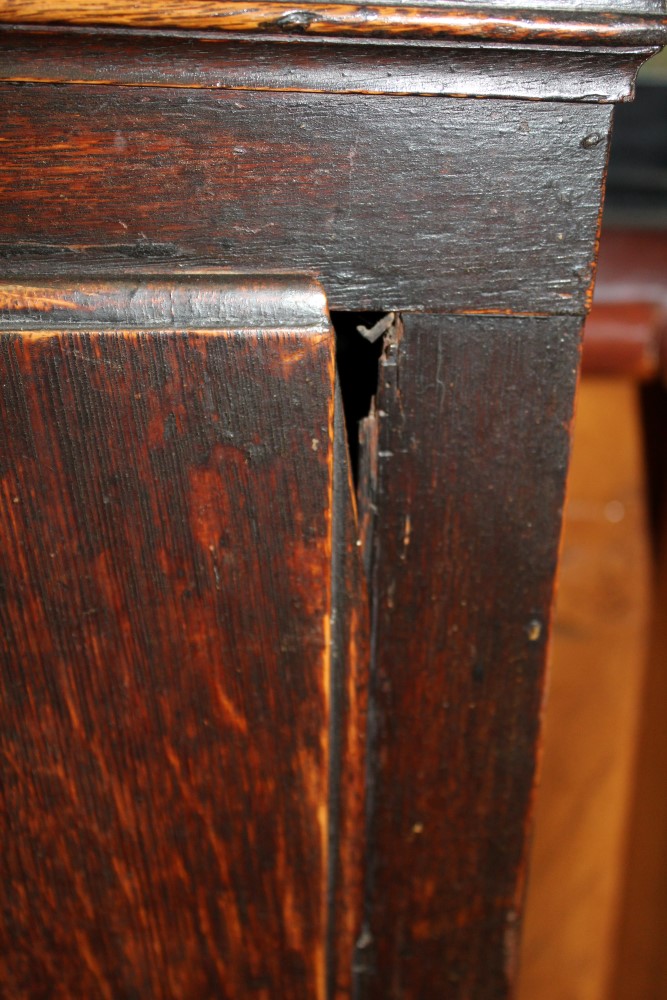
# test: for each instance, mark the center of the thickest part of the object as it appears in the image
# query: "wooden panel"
(473, 440)
(601, 630)
(166, 517)
(414, 203)
(214, 62)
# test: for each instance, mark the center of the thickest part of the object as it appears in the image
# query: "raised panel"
(168, 742)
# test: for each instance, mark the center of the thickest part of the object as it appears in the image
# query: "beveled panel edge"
(198, 300)
(559, 26)
(317, 65)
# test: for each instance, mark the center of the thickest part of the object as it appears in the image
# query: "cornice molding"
(560, 26)
(231, 61)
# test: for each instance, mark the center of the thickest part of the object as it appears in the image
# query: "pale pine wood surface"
(591, 722)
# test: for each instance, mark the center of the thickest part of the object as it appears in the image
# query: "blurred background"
(596, 917)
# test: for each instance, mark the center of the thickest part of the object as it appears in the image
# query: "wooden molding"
(226, 61)
(194, 301)
(349, 19)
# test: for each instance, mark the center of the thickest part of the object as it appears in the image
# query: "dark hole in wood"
(358, 361)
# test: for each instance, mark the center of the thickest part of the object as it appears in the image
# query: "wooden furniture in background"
(596, 906)
(633, 270)
(640, 966)
(442, 163)
(601, 629)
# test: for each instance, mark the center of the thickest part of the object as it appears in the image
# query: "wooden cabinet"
(270, 715)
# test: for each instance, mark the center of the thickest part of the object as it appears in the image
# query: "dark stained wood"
(184, 621)
(497, 201)
(350, 660)
(473, 440)
(567, 26)
(304, 65)
(165, 649)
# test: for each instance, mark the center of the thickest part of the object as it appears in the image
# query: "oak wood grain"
(166, 727)
(556, 26)
(350, 663)
(336, 185)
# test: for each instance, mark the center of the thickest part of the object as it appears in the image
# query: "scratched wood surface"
(338, 185)
(634, 22)
(61, 55)
(191, 719)
(350, 660)
(473, 439)
(165, 625)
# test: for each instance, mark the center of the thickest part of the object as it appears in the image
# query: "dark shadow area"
(637, 179)
(357, 360)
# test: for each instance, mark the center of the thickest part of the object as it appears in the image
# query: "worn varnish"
(472, 449)
(198, 300)
(338, 185)
(168, 601)
(192, 807)
(217, 61)
(630, 26)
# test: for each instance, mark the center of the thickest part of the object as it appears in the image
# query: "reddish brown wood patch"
(164, 653)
